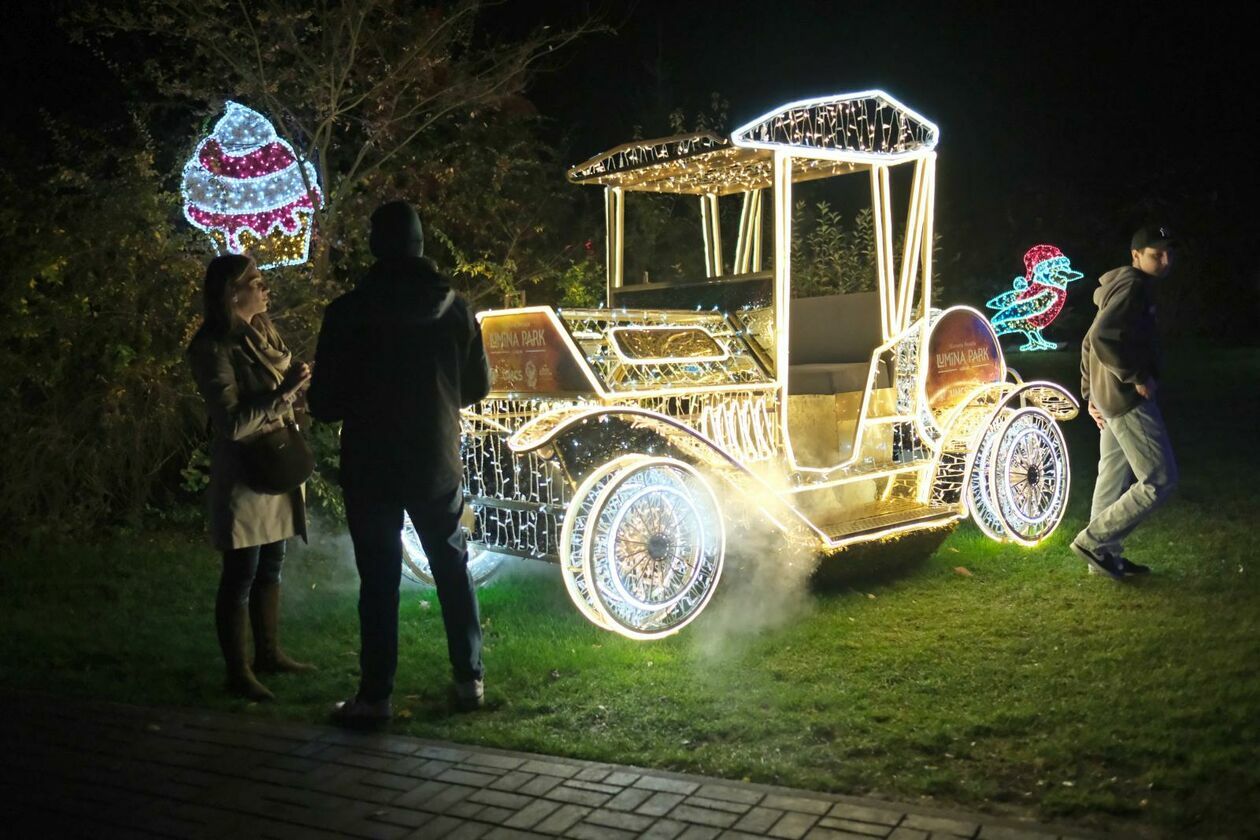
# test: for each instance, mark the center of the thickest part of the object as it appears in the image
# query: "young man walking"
(1119, 379)
(398, 357)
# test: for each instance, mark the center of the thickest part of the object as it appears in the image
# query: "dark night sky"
(1044, 108)
(1092, 97)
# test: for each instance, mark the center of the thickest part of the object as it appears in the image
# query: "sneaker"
(1100, 561)
(362, 713)
(470, 695)
(1130, 568)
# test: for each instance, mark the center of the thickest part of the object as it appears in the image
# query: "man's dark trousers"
(375, 516)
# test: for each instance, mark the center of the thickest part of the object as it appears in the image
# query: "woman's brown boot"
(231, 622)
(264, 614)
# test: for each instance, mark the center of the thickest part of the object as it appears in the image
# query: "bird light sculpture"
(1036, 298)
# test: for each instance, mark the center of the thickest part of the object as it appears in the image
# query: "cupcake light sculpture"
(244, 188)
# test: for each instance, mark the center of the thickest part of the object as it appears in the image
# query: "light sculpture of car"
(618, 442)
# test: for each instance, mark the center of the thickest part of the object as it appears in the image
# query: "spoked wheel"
(1029, 475)
(981, 502)
(652, 546)
(573, 533)
(415, 565)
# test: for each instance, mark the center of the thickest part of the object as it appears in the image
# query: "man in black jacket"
(1119, 376)
(397, 359)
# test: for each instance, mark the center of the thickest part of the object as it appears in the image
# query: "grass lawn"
(978, 675)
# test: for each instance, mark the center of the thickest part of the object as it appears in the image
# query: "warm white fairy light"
(245, 187)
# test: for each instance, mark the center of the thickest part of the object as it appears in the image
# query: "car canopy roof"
(826, 136)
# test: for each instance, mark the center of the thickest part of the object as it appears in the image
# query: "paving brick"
(500, 799)
(402, 816)
(665, 785)
(942, 825)
(439, 827)
(501, 833)
(862, 813)
(628, 799)
(621, 778)
(758, 820)
(550, 768)
(532, 814)
(586, 831)
(499, 762)
(619, 819)
(593, 774)
(820, 832)
(663, 830)
(805, 805)
(577, 796)
(431, 768)
(908, 834)
(561, 820)
(1002, 832)
(659, 804)
(595, 786)
(443, 753)
(793, 825)
(464, 777)
(727, 793)
(733, 834)
(699, 832)
(853, 827)
(539, 785)
(389, 781)
(703, 816)
(494, 815)
(511, 781)
(465, 810)
(718, 804)
(468, 831)
(432, 796)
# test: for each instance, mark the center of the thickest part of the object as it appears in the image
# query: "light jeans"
(1136, 473)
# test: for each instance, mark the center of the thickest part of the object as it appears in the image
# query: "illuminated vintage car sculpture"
(619, 441)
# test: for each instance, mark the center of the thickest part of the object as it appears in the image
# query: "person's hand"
(296, 378)
(1097, 415)
(1146, 389)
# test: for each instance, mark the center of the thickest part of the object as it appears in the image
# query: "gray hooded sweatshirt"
(1121, 348)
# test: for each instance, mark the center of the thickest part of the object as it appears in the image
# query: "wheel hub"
(658, 546)
(1034, 474)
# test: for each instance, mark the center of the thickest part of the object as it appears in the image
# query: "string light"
(244, 187)
(1036, 299)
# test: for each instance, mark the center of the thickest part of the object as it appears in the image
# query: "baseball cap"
(1153, 236)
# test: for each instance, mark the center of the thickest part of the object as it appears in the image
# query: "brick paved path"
(102, 770)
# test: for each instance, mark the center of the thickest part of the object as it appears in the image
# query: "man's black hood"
(396, 231)
(406, 289)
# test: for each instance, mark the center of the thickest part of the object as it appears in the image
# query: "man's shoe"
(1100, 561)
(1130, 568)
(362, 713)
(470, 695)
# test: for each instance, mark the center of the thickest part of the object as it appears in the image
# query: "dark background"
(1069, 123)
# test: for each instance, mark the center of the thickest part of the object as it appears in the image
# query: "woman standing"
(246, 376)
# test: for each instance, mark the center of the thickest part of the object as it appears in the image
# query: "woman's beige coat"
(243, 401)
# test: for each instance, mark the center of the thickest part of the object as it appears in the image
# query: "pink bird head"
(1037, 254)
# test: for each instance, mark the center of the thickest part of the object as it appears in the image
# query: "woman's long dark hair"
(222, 273)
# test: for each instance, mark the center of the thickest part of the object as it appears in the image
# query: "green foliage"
(831, 257)
(97, 305)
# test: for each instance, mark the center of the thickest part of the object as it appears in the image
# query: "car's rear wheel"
(1029, 475)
